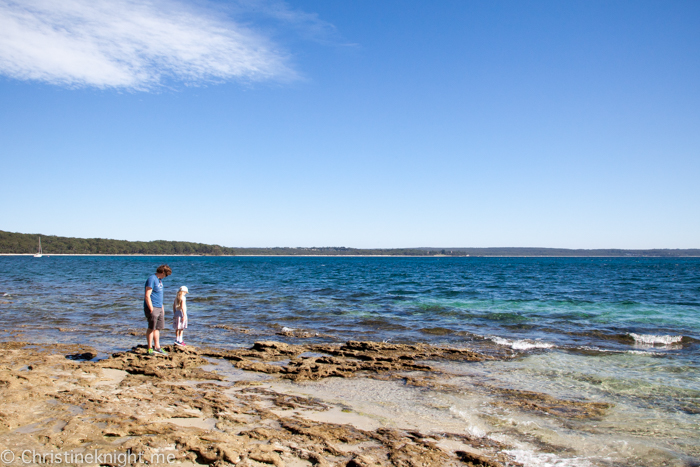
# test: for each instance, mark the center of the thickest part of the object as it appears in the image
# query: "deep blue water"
(568, 303)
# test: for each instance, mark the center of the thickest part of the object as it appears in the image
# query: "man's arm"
(149, 290)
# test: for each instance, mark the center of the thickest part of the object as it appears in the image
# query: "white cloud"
(308, 25)
(130, 44)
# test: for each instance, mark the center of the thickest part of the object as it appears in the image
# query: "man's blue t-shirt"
(157, 293)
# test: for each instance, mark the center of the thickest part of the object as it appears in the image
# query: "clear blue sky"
(364, 123)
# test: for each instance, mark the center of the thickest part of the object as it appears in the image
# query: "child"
(180, 315)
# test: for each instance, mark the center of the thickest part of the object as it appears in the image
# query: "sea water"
(624, 331)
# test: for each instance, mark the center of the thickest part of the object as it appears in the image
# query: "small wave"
(472, 430)
(641, 352)
(475, 431)
(584, 349)
(535, 459)
(522, 344)
(650, 339)
(299, 333)
(622, 338)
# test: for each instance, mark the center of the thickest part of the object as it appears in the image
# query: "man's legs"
(151, 325)
(159, 324)
(155, 324)
(149, 337)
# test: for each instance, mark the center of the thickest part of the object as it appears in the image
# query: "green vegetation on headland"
(18, 243)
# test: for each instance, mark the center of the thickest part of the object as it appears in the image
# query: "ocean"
(621, 331)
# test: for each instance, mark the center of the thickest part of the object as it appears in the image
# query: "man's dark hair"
(164, 269)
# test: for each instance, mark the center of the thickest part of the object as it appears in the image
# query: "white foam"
(286, 329)
(522, 344)
(471, 429)
(651, 339)
(475, 431)
(535, 459)
(594, 349)
(529, 423)
(642, 352)
(613, 351)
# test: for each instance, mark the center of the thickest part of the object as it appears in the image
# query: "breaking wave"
(533, 459)
(522, 344)
(650, 339)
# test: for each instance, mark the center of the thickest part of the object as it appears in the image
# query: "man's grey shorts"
(156, 319)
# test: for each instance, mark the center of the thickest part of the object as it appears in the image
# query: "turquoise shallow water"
(619, 330)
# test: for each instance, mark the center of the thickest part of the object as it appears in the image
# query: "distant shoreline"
(13, 243)
(356, 256)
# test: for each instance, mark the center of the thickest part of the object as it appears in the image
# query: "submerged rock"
(347, 360)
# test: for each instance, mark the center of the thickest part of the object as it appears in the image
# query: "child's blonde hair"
(178, 298)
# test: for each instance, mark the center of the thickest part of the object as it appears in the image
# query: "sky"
(261, 123)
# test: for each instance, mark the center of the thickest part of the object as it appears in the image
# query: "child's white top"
(183, 304)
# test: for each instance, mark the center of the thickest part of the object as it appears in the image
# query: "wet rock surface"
(347, 360)
(55, 399)
(180, 363)
(538, 402)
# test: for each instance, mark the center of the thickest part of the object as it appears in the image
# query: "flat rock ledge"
(55, 400)
(314, 362)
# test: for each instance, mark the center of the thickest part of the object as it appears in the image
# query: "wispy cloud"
(131, 44)
(308, 25)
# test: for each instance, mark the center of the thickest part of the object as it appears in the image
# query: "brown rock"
(266, 457)
(77, 404)
(362, 461)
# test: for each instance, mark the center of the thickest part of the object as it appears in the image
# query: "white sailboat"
(38, 254)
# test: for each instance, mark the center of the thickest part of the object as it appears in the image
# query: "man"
(153, 308)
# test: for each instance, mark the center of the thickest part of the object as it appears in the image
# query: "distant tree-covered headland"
(19, 243)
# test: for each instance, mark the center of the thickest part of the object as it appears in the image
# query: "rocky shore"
(179, 409)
